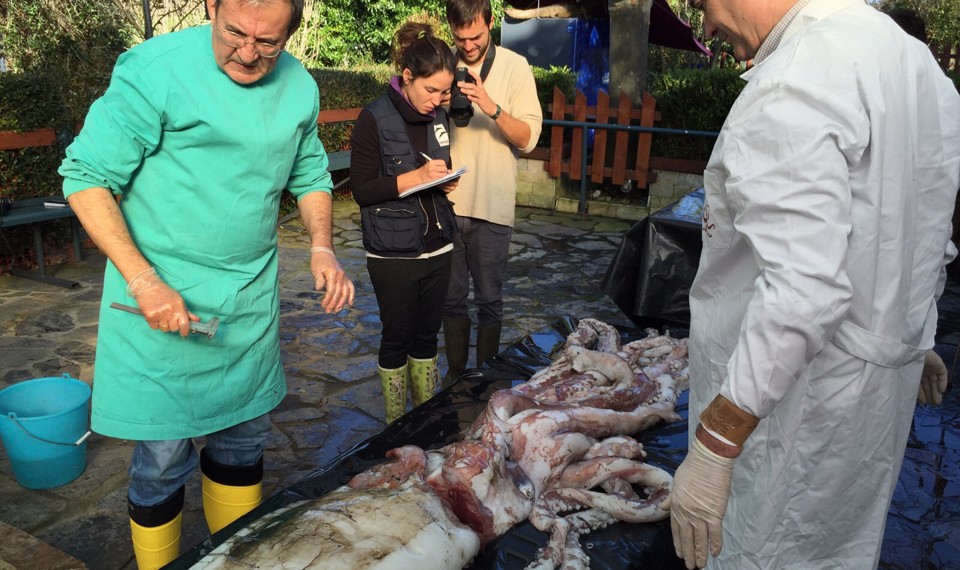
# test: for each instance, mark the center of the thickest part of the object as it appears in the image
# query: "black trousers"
(411, 294)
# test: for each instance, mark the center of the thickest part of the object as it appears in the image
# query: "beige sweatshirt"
(489, 190)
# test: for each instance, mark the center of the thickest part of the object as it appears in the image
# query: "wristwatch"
(496, 115)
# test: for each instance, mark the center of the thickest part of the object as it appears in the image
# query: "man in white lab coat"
(826, 229)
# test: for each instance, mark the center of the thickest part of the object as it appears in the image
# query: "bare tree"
(165, 15)
(304, 43)
(171, 15)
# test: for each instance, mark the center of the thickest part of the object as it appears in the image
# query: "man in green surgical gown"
(177, 177)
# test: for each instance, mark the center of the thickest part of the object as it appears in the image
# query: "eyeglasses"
(236, 41)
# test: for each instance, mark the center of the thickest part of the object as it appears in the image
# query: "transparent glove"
(933, 382)
(329, 276)
(162, 307)
(697, 503)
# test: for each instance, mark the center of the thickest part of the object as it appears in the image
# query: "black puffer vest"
(396, 228)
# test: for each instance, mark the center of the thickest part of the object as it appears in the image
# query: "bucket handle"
(13, 418)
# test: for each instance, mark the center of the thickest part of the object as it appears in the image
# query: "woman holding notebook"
(400, 142)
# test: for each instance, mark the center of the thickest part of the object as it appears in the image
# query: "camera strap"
(487, 61)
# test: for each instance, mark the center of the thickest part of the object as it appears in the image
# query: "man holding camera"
(496, 116)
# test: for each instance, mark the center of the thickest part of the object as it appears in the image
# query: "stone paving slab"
(334, 399)
(21, 551)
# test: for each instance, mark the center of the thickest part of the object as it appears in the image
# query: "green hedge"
(693, 99)
(346, 89)
(955, 76)
(559, 77)
(30, 101)
(355, 87)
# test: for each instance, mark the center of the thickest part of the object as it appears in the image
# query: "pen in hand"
(428, 159)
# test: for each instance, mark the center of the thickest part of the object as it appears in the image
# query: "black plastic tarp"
(923, 525)
(441, 420)
(652, 270)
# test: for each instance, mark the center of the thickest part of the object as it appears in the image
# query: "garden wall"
(536, 189)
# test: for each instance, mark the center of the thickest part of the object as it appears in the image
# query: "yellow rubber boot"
(155, 531)
(424, 379)
(229, 492)
(394, 384)
(156, 546)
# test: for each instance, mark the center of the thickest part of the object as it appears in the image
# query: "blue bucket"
(43, 424)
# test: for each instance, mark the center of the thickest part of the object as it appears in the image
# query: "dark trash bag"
(651, 273)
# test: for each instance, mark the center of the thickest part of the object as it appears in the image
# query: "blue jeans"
(480, 252)
(159, 468)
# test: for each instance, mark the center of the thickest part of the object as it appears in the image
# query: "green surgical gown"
(200, 163)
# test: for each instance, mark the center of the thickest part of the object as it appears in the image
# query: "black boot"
(488, 342)
(456, 336)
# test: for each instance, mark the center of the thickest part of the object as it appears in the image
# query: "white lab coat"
(829, 197)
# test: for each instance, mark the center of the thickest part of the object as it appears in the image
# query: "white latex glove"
(697, 503)
(933, 383)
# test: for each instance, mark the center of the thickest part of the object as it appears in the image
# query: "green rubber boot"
(424, 379)
(394, 384)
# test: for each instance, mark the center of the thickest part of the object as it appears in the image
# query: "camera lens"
(461, 109)
(461, 117)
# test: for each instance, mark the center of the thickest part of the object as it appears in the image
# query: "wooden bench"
(34, 212)
(339, 160)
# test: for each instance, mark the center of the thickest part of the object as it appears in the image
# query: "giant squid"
(555, 450)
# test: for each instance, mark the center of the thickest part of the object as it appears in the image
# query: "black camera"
(461, 109)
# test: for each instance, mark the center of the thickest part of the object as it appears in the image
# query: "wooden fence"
(10, 140)
(947, 56)
(621, 164)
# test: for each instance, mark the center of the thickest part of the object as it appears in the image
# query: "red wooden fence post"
(647, 115)
(598, 169)
(618, 175)
(577, 142)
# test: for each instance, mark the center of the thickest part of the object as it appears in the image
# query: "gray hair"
(296, 11)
